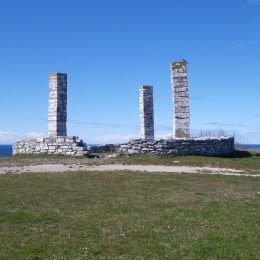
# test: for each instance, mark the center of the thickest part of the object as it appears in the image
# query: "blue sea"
(6, 150)
(251, 146)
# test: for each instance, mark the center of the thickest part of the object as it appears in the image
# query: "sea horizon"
(6, 150)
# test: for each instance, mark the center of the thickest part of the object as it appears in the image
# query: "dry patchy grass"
(127, 215)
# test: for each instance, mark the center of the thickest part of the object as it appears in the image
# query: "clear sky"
(109, 48)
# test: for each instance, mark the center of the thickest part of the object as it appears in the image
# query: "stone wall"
(103, 148)
(72, 145)
(208, 146)
(180, 100)
(67, 145)
(146, 112)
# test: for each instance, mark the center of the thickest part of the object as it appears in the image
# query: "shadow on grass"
(238, 154)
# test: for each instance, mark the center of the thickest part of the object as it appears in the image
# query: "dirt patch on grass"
(72, 167)
(142, 163)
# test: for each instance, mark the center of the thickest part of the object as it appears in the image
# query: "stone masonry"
(71, 145)
(146, 112)
(67, 145)
(180, 100)
(59, 143)
(57, 116)
(207, 146)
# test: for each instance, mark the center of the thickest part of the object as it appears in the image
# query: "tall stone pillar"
(57, 116)
(146, 112)
(180, 99)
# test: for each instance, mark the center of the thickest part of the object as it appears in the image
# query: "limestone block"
(182, 117)
(181, 103)
(181, 110)
(44, 147)
(180, 88)
(62, 132)
(77, 148)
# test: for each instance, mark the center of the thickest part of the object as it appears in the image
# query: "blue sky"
(109, 48)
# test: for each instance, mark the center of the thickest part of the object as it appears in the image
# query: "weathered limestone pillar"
(57, 117)
(180, 100)
(146, 112)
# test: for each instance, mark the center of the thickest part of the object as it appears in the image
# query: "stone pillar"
(146, 112)
(180, 99)
(57, 117)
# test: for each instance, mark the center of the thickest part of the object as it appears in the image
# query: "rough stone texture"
(146, 112)
(71, 145)
(59, 143)
(208, 146)
(67, 145)
(180, 100)
(103, 148)
(57, 117)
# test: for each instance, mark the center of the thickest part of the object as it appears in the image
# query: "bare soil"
(73, 164)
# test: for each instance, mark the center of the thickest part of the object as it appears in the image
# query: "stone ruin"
(181, 144)
(180, 104)
(58, 142)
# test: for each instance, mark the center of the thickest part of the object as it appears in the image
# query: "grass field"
(131, 215)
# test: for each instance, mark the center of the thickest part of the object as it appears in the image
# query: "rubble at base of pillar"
(67, 145)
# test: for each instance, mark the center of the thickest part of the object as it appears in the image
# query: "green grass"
(127, 215)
